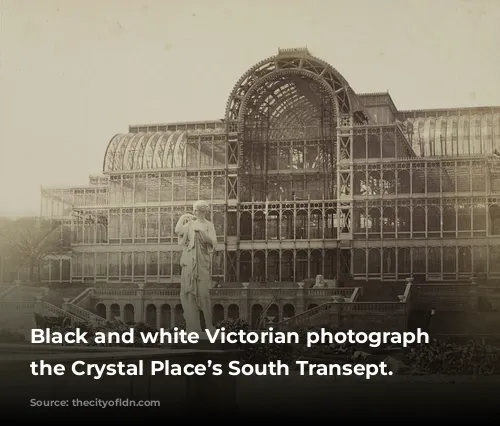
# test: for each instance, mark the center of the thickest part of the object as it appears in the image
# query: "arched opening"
(301, 268)
(288, 311)
(286, 112)
(404, 262)
(316, 263)
(256, 314)
(217, 313)
(245, 265)
(129, 313)
(165, 316)
(359, 262)
(245, 226)
(100, 310)
(288, 109)
(259, 266)
(273, 313)
(494, 212)
(115, 311)
(233, 312)
(273, 266)
(287, 266)
(179, 315)
(151, 315)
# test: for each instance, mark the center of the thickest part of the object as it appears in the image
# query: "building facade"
(305, 177)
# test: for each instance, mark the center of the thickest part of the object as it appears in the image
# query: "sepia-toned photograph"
(312, 188)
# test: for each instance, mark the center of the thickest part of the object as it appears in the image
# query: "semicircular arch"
(302, 64)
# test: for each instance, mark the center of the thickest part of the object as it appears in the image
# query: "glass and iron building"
(305, 177)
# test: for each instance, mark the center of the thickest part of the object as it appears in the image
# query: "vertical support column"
(280, 279)
(252, 272)
(109, 317)
(323, 261)
(344, 175)
(172, 316)
(488, 205)
(426, 179)
(245, 309)
(158, 317)
(309, 251)
(300, 302)
(266, 254)
(441, 215)
(294, 252)
(140, 303)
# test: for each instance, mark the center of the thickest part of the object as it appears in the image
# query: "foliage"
(180, 326)
(27, 242)
(48, 321)
(231, 325)
(438, 357)
(453, 358)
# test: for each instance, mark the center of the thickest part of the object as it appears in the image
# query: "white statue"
(320, 282)
(198, 240)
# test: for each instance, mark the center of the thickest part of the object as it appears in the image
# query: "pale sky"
(75, 72)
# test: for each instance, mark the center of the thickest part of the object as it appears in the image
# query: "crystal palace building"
(305, 177)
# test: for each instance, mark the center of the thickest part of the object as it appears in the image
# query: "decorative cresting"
(291, 62)
(152, 150)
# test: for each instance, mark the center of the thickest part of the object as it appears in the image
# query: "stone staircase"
(19, 316)
(436, 306)
(19, 303)
(445, 296)
(352, 314)
(81, 305)
(348, 308)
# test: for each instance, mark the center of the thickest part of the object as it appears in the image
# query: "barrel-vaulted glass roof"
(149, 150)
(452, 135)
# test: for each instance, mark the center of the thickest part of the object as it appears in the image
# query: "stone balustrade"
(360, 316)
(218, 293)
(445, 296)
(83, 299)
(45, 308)
(162, 307)
(17, 306)
(86, 315)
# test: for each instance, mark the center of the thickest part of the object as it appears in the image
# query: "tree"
(26, 243)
